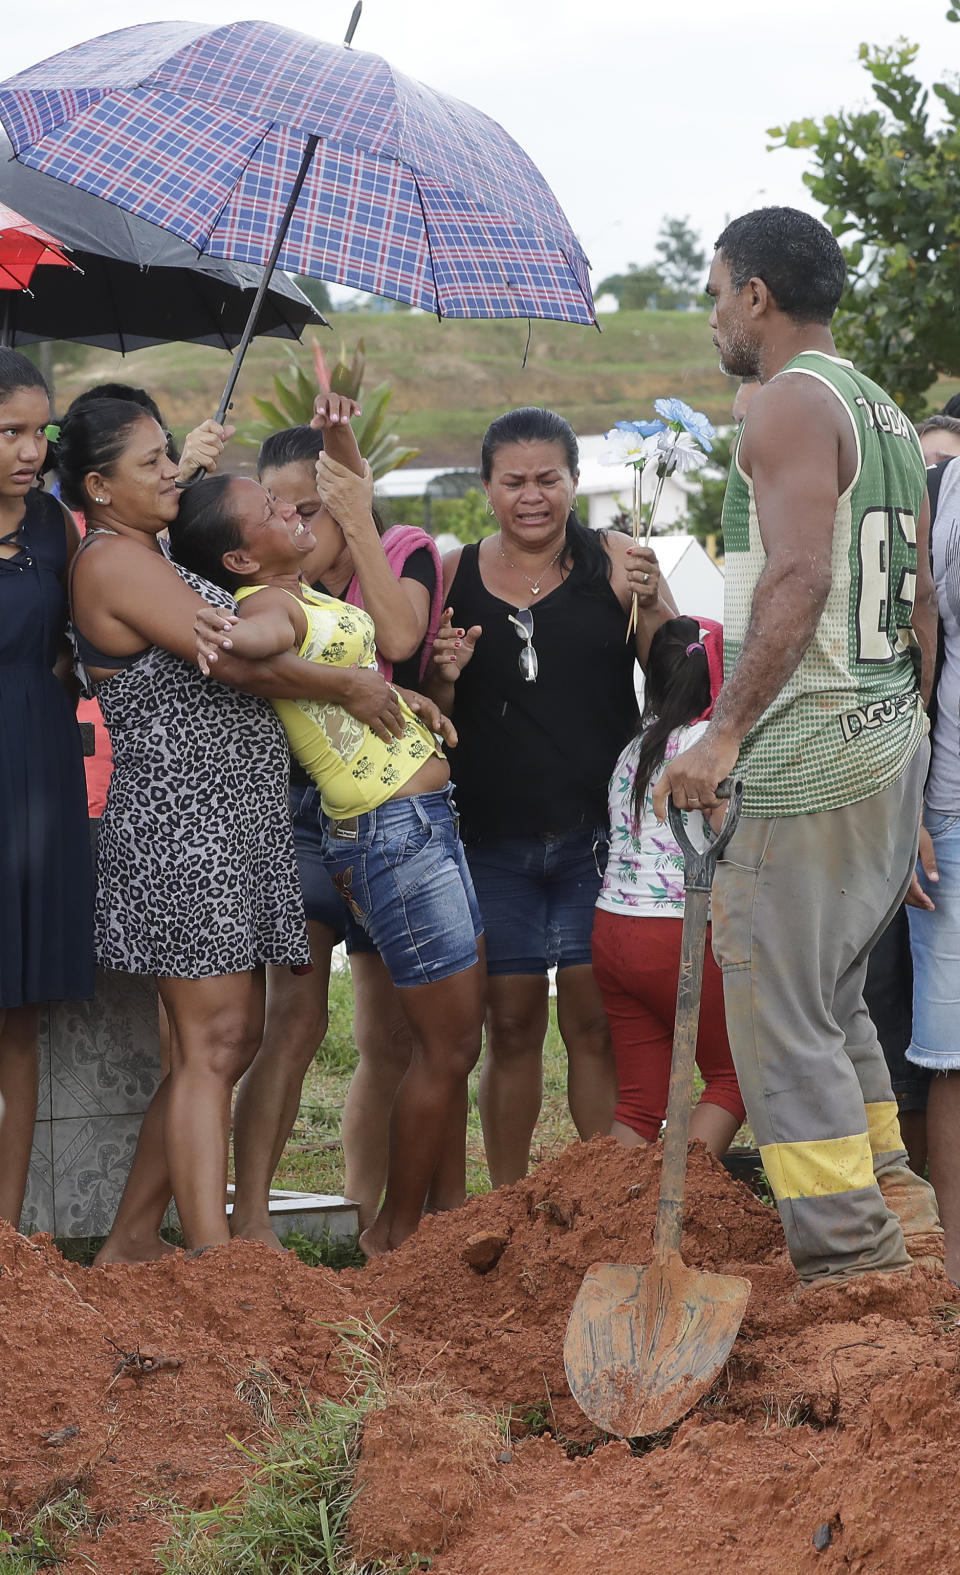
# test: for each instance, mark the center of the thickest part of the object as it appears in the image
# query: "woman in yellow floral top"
(392, 844)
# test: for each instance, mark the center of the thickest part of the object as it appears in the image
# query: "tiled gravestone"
(99, 1066)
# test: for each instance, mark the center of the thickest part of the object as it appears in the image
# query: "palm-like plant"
(292, 405)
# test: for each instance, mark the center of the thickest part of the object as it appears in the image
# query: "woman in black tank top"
(533, 665)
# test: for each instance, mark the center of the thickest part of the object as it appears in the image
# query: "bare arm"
(400, 609)
(792, 448)
(126, 597)
(267, 624)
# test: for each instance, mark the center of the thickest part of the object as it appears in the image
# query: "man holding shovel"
(828, 601)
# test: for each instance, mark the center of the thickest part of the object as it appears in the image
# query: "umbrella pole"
(271, 263)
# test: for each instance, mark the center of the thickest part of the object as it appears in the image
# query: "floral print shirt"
(644, 875)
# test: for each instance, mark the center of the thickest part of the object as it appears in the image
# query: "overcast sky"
(632, 111)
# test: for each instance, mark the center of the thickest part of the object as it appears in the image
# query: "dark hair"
(204, 529)
(535, 424)
(939, 423)
(676, 692)
(952, 406)
(92, 437)
(132, 396)
(18, 371)
(292, 445)
(794, 254)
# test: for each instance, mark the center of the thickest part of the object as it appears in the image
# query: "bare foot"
(255, 1232)
(118, 1251)
(382, 1238)
(374, 1243)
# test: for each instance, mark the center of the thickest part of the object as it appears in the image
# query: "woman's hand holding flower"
(643, 574)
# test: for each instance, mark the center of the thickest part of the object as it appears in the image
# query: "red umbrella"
(23, 247)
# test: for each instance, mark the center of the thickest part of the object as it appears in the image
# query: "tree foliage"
(635, 289)
(889, 179)
(683, 260)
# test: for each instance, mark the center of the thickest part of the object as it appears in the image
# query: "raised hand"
(453, 648)
(203, 448)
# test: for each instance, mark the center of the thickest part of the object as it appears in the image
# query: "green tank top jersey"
(848, 720)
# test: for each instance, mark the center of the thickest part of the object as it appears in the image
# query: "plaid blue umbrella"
(406, 193)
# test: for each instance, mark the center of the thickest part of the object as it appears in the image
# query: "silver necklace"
(534, 584)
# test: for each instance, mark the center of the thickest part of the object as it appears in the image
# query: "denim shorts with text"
(402, 873)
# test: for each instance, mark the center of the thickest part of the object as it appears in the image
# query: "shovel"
(643, 1344)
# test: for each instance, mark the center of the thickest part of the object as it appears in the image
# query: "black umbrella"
(140, 285)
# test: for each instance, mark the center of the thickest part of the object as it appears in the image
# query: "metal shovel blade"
(644, 1344)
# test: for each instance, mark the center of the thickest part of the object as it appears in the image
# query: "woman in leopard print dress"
(196, 869)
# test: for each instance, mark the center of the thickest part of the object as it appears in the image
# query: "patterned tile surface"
(99, 1066)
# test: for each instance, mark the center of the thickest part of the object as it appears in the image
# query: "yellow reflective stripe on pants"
(883, 1127)
(820, 1168)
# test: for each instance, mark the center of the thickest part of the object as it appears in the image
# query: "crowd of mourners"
(321, 732)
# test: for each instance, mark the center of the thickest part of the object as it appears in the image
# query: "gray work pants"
(798, 902)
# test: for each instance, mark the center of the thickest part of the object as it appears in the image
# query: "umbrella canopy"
(24, 247)
(140, 284)
(203, 130)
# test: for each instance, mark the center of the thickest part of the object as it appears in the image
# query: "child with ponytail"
(639, 913)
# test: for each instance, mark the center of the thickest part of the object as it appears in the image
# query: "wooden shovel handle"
(698, 869)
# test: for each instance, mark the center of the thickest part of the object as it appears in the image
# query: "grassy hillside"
(450, 379)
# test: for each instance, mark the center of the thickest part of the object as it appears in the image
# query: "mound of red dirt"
(836, 1418)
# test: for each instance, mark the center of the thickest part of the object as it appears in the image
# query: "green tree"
(683, 261)
(889, 179)
(315, 291)
(635, 289)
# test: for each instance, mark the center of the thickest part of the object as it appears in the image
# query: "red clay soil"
(836, 1418)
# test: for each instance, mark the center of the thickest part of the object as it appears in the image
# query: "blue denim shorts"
(402, 873)
(935, 944)
(537, 896)
(320, 899)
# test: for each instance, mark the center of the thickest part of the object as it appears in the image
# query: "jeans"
(537, 896)
(402, 873)
(935, 943)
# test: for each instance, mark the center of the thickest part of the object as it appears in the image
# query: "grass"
(450, 379)
(292, 1513)
(313, 1159)
(45, 1542)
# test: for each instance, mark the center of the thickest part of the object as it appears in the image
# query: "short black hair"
(952, 406)
(794, 254)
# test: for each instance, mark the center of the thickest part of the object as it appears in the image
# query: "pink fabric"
(712, 636)
(398, 543)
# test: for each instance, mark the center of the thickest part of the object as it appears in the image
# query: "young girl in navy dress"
(46, 898)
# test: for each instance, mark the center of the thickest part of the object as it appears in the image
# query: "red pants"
(636, 962)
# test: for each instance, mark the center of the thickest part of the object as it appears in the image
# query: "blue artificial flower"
(643, 429)
(692, 421)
